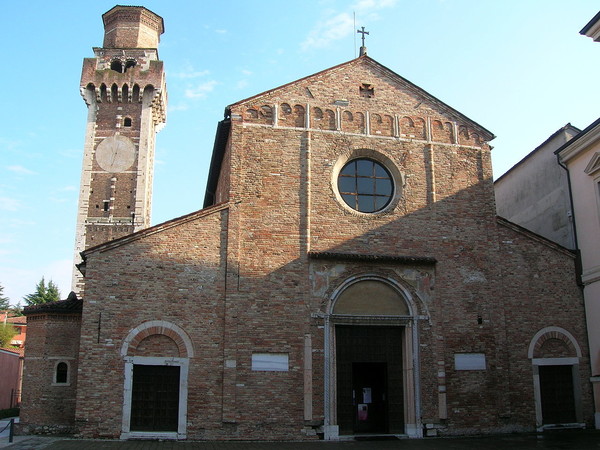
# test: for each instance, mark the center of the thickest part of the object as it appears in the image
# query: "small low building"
(11, 370)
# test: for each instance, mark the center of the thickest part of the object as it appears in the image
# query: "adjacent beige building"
(555, 192)
(581, 156)
(535, 192)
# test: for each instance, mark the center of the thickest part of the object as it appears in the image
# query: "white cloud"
(178, 107)
(331, 29)
(221, 31)
(339, 25)
(369, 5)
(9, 204)
(19, 223)
(191, 74)
(6, 144)
(71, 153)
(241, 84)
(58, 199)
(200, 90)
(188, 71)
(20, 170)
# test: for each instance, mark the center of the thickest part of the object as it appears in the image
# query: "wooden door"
(369, 379)
(155, 398)
(557, 395)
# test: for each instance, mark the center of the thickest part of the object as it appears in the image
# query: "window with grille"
(365, 185)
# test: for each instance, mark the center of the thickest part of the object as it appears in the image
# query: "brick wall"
(175, 275)
(48, 407)
(238, 278)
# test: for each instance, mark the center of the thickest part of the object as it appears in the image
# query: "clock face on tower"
(115, 153)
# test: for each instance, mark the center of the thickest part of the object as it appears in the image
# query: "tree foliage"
(15, 310)
(43, 293)
(7, 332)
(4, 301)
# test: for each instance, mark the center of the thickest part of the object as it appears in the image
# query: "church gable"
(365, 98)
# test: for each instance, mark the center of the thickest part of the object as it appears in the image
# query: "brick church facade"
(347, 275)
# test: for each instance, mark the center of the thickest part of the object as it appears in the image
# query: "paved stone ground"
(565, 440)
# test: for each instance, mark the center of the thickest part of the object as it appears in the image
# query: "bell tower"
(124, 88)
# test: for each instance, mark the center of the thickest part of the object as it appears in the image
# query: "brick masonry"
(48, 407)
(258, 271)
(124, 88)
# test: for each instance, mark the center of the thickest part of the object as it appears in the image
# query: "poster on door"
(363, 412)
(367, 395)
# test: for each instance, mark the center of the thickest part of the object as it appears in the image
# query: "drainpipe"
(327, 380)
(578, 264)
(417, 378)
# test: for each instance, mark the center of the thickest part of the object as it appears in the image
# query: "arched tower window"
(61, 373)
(127, 122)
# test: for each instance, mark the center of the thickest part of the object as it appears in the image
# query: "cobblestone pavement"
(565, 440)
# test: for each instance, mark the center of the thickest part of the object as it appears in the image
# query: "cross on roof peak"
(363, 49)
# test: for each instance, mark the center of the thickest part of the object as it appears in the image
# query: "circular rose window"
(365, 185)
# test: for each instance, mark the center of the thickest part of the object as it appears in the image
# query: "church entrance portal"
(369, 379)
(155, 398)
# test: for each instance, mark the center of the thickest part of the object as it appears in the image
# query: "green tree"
(15, 310)
(43, 294)
(7, 332)
(4, 302)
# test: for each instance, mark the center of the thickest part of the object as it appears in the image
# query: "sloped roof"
(69, 306)
(584, 138)
(154, 229)
(567, 127)
(592, 28)
(16, 350)
(21, 320)
(534, 236)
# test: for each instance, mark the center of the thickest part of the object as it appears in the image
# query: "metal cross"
(363, 32)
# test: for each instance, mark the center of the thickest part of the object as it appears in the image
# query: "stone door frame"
(184, 343)
(410, 356)
(573, 361)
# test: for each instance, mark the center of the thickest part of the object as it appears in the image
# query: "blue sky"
(519, 68)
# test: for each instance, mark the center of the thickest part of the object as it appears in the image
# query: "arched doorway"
(555, 355)
(156, 355)
(370, 360)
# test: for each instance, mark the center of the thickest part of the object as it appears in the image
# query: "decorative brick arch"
(549, 349)
(548, 333)
(152, 327)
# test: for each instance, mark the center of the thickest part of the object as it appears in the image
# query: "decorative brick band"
(390, 124)
(401, 259)
(139, 333)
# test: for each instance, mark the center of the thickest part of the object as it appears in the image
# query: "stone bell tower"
(124, 88)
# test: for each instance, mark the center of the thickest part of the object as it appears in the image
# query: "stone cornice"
(580, 143)
(592, 28)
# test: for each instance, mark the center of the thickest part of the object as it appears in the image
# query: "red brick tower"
(124, 88)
